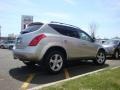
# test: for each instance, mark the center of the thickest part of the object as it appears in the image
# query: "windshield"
(31, 29)
(111, 42)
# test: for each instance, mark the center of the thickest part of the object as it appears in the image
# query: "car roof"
(55, 23)
(63, 24)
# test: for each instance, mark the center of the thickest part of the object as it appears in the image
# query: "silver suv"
(112, 48)
(55, 43)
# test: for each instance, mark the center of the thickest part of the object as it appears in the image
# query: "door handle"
(65, 41)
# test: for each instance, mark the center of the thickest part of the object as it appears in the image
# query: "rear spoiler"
(35, 23)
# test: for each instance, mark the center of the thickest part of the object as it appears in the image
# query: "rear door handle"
(65, 41)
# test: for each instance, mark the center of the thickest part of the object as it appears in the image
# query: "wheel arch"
(101, 49)
(117, 49)
(58, 48)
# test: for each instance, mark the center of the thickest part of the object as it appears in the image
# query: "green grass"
(104, 80)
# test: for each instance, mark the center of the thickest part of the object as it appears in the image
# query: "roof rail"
(54, 22)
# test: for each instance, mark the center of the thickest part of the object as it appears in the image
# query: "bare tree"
(93, 28)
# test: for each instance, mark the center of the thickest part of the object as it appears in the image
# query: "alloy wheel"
(100, 57)
(56, 62)
(116, 54)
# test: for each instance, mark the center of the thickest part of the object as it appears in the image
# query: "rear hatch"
(27, 35)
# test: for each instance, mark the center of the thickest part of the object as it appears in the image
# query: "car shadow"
(82, 67)
(111, 58)
(42, 77)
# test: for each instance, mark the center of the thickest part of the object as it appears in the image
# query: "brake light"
(37, 39)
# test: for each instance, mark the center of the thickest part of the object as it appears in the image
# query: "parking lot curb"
(115, 67)
(72, 78)
(68, 79)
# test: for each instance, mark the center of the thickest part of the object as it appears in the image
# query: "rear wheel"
(100, 58)
(54, 61)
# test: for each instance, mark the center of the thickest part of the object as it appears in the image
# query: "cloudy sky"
(104, 13)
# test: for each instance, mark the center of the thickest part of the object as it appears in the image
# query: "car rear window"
(31, 28)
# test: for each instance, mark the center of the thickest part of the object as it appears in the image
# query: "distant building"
(7, 38)
(25, 20)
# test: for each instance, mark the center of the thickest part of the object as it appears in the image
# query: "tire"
(29, 63)
(11, 47)
(116, 54)
(2, 47)
(100, 58)
(54, 61)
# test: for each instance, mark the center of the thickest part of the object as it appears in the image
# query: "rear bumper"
(29, 54)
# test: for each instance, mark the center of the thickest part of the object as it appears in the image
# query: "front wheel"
(54, 61)
(100, 58)
(116, 54)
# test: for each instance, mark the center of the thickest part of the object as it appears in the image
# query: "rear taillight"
(37, 39)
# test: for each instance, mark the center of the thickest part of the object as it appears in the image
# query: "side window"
(84, 36)
(64, 30)
(72, 32)
(119, 44)
(6, 42)
(58, 28)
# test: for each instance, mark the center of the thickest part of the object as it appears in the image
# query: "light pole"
(0, 32)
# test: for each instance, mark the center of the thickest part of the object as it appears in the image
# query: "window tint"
(119, 44)
(84, 36)
(68, 31)
(31, 29)
(116, 42)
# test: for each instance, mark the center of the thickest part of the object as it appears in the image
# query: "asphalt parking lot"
(14, 75)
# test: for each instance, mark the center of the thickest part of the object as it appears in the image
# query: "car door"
(73, 44)
(69, 38)
(87, 48)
